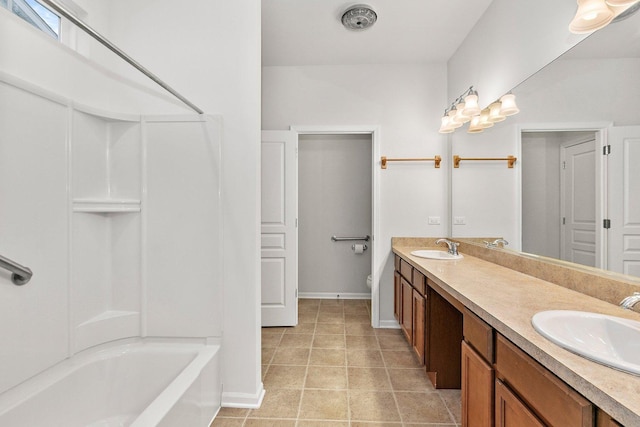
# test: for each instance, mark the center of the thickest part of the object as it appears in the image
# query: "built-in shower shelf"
(106, 205)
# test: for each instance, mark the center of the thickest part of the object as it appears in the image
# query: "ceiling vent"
(359, 17)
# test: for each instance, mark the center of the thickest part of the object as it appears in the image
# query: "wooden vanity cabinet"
(397, 296)
(477, 386)
(407, 310)
(511, 411)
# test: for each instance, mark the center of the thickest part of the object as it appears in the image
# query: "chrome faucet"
(495, 243)
(453, 246)
(630, 301)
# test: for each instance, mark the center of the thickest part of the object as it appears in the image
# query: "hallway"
(334, 369)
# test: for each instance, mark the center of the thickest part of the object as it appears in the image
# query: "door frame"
(374, 131)
(600, 129)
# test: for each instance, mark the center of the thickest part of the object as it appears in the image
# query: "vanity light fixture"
(593, 15)
(466, 109)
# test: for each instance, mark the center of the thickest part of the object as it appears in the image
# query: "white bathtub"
(135, 383)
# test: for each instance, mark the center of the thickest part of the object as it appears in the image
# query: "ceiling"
(309, 32)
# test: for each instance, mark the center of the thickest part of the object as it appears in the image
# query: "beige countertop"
(507, 299)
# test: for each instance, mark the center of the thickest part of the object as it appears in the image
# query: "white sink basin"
(609, 340)
(435, 254)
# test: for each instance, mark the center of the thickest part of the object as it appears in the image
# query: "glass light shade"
(452, 119)
(508, 105)
(617, 3)
(484, 119)
(475, 126)
(591, 16)
(445, 125)
(471, 107)
(495, 115)
(461, 117)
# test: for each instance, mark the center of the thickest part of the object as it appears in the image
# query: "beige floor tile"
(366, 424)
(400, 359)
(296, 341)
(278, 403)
(453, 402)
(356, 309)
(329, 317)
(309, 423)
(262, 422)
(301, 328)
(422, 408)
(326, 377)
(362, 342)
(227, 422)
(373, 406)
(285, 376)
(359, 329)
(328, 341)
(362, 358)
(271, 340)
(357, 318)
(291, 356)
(410, 380)
(388, 331)
(233, 412)
(265, 368)
(330, 329)
(307, 317)
(332, 308)
(306, 302)
(328, 302)
(327, 357)
(273, 330)
(308, 309)
(393, 342)
(324, 405)
(368, 379)
(267, 354)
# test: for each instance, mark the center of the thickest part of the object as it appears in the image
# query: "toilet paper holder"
(364, 247)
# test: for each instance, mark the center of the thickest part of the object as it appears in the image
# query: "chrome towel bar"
(21, 275)
(342, 239)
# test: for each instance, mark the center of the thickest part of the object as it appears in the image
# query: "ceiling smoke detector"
(359, 17)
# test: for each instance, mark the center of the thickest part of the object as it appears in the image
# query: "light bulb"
(471, 107)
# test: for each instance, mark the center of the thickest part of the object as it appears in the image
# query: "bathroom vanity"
(469, 323)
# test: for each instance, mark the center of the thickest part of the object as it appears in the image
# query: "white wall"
(334, 198)
(511, 41)
(405, 102)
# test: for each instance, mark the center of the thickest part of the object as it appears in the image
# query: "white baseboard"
(333, 295)
(243, 400)
(389, 324)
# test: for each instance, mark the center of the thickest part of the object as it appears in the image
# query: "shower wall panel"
(33, 232)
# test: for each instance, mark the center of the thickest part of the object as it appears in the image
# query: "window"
(36, 14)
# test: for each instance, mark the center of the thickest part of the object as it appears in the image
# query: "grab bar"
(21, 275)
(341, 239)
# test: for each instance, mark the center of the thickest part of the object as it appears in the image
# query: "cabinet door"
(397, 296)
(477, 389)
(511, 411)
(418, 324)
(407, 310)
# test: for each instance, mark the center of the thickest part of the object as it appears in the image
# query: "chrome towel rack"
(21, 275)
(342, 239)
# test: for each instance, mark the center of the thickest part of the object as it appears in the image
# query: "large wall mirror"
(557, 199)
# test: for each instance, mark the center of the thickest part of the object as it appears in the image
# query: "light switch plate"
(459, 220)
(434, 220)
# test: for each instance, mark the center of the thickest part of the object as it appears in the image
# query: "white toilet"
(369, 281)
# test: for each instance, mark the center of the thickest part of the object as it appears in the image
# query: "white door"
(279, 229)
(624, 200)
(578, 195)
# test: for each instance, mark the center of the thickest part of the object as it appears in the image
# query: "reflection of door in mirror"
(559, 195)
(578, 208)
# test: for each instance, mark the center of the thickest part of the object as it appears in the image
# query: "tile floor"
(334, 369)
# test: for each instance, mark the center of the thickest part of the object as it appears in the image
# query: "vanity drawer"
(406, 270)
(551, 399)
(478, 334)
(419, 282)
(396, 263)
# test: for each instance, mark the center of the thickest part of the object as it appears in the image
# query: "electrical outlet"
(434, 220)
(459, 220)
